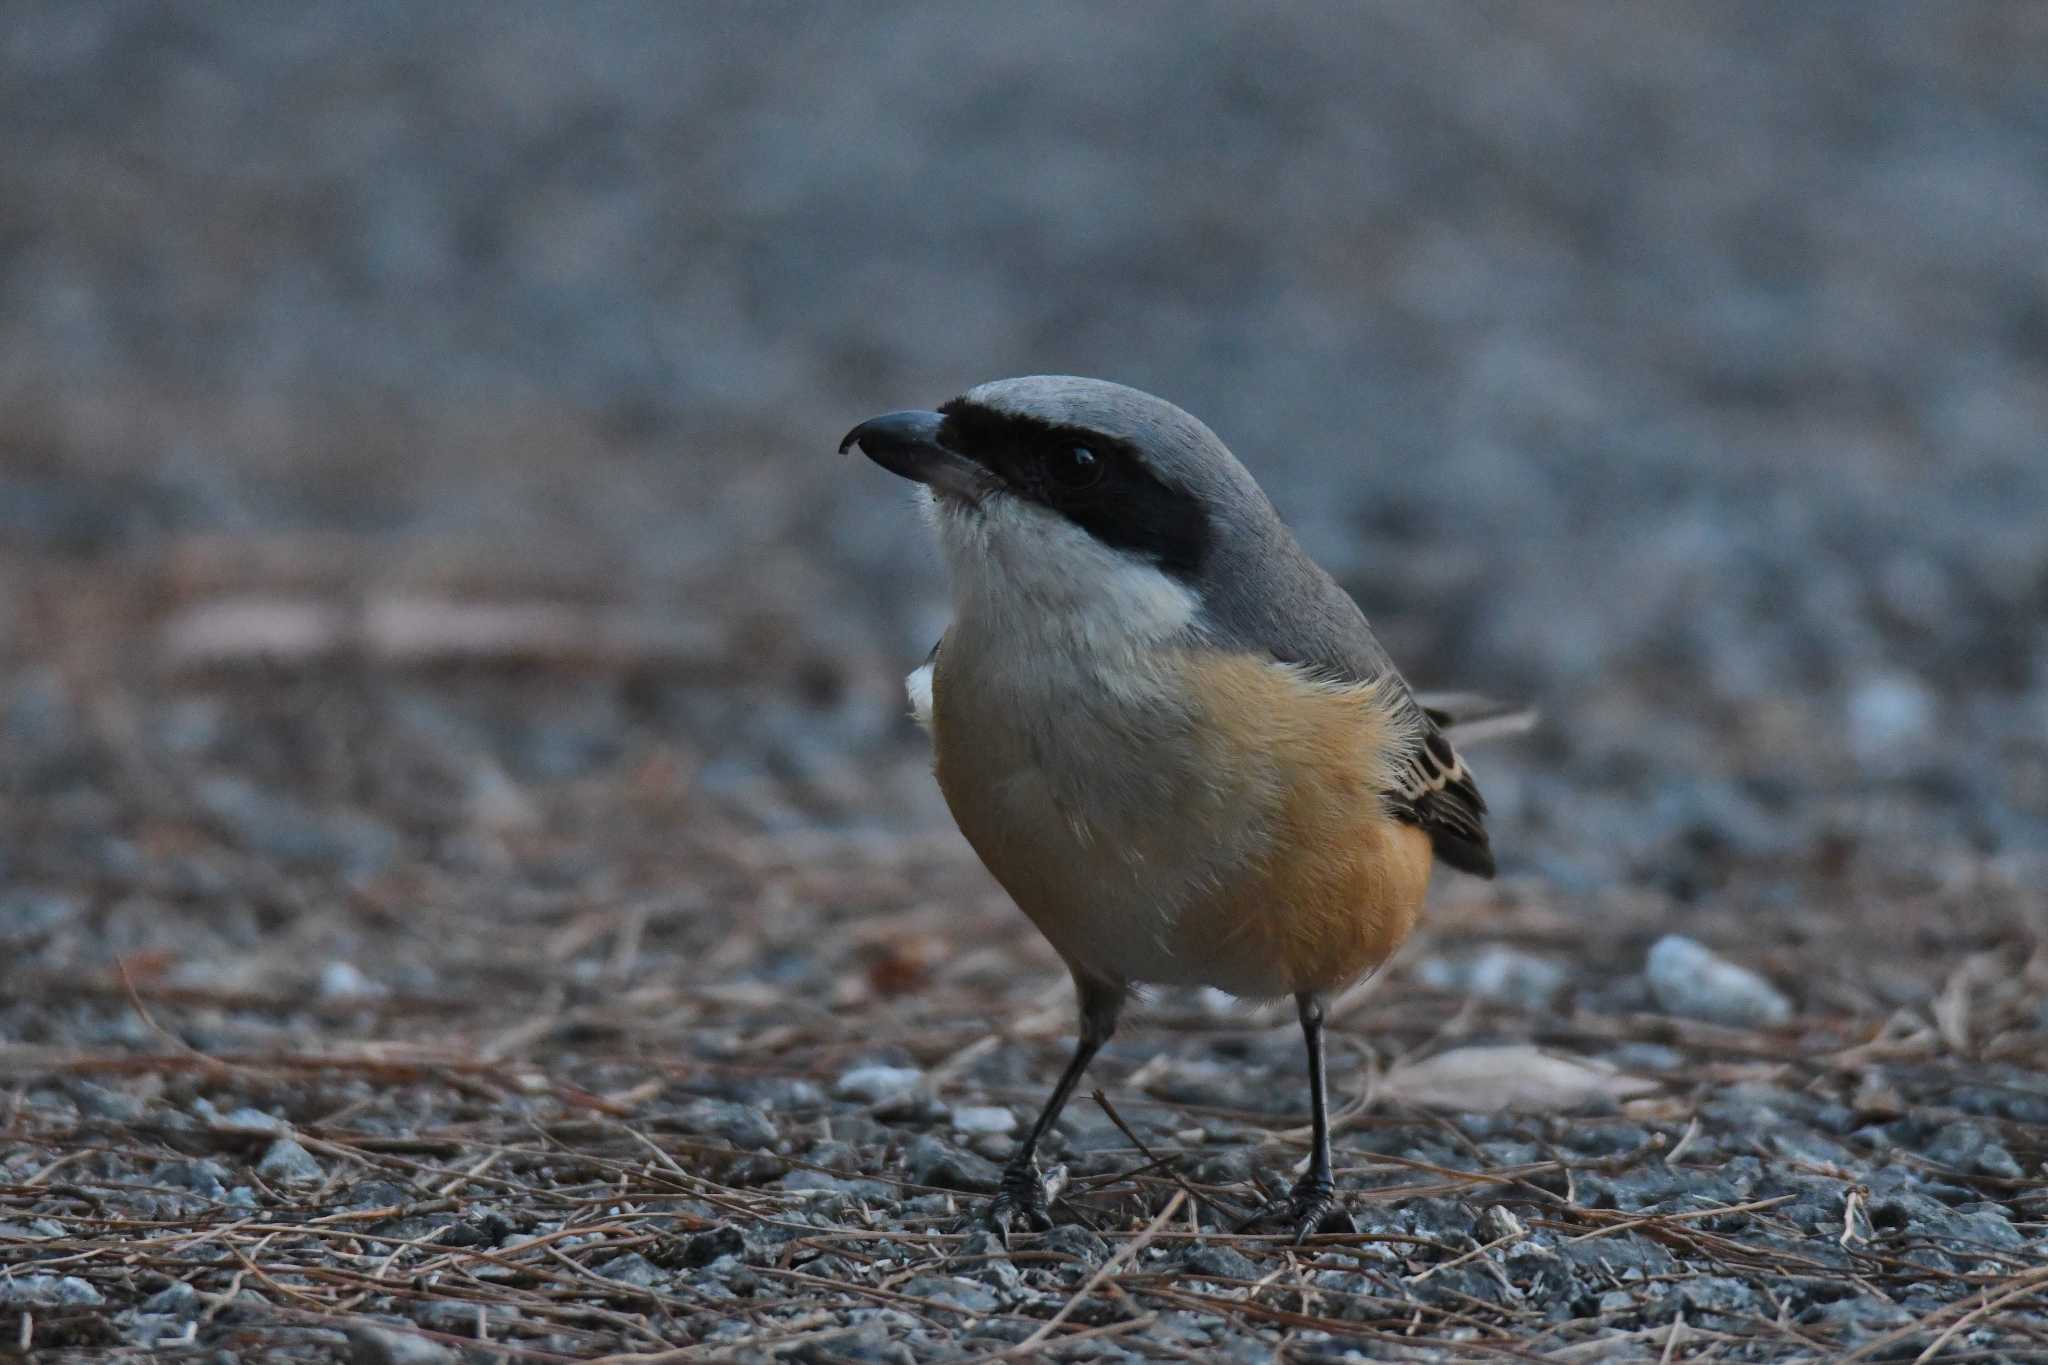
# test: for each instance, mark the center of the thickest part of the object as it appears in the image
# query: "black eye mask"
(1097, 482)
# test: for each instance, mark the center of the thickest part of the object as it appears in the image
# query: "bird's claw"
(1020, 1198)
(1311, 1206)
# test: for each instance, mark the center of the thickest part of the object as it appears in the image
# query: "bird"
(1170, 736)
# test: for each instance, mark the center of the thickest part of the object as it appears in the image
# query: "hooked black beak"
(907, 443)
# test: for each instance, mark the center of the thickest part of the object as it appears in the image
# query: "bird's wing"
(1323, 630)
(1437, 794)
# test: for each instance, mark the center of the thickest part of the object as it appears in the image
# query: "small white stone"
(287, 1163)
(250, 1121)
(1891, 716)
(978, 1119)
(1687, 979)
(343, 981)
(875, 1084)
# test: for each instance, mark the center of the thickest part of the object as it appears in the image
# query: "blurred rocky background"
(431, 611)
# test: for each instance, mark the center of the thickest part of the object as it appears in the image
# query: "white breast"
(1065, 739)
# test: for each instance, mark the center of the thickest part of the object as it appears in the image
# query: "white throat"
(1026, 573)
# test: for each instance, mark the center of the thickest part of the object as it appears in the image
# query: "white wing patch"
(919, 686)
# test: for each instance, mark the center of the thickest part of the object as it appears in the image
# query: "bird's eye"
(1074, 467)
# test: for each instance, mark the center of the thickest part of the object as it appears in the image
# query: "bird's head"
(1066, 493)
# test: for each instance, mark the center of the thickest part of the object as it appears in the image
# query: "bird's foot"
(1021, 1198)
(1311, 1206)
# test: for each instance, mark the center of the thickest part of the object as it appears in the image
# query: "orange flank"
(1340, 882)
(1264, 860)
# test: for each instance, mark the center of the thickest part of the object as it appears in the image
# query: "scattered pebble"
(47, 1291)
(27, 915)
(1496, 1222)
(878, 1084)
(176, 1299)
(1890, 718)
(345, 981)
(33, 1230)
(1219, 1261)
(371, 1345)
(109, 1104)
(744, 1126)
(207, 1179)
(249, 1121)
(804, 1180)
(932, 1161)
(953, 1292)
(1972, 1150)
(1688, 979)
(290, 1164)
(1076, 1242)
(634, 1269)
(274, 825)
(706, 1247)
(976, 1120)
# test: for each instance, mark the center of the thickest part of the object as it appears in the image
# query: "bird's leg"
(1311, 1206)
(1022, 1192)
(1313, 1203)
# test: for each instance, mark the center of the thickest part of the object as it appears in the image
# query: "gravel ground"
(468, 887)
